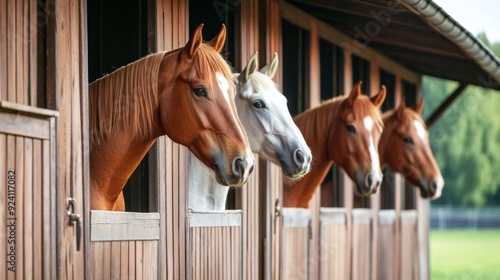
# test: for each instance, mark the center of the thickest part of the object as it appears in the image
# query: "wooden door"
(28, 206)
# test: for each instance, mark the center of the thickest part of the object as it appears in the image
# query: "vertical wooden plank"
(3, 200)
(131, 259)
(3, 52)
(38, 218)
(138, 260)
(145, 260)
(27, 237)
(97, 257)
(115, 265)
(19, 215)
(124, 260)
(11, 51)
(106, 260)
(18, 54)
(48, 221)
(32, 25)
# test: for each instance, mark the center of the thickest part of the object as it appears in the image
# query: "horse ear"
(401, 108)
(270, 69)
(252, 65)
(419, 106)
(356, 91)
(194, 43)
(378, 99)
(218, 41)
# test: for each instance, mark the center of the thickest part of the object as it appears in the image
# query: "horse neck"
(204, 193)
(111, 165)
(315, 126)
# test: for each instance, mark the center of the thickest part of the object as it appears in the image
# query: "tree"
(466, 140)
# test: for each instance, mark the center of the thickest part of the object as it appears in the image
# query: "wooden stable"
(51, 49)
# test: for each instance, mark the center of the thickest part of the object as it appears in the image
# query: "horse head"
(405, 148)
(197, 108)
(270, 128)
(354, 139)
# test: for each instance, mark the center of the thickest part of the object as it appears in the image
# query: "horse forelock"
(207, 62)
(362, 108)
(262, 83)
(125, 99)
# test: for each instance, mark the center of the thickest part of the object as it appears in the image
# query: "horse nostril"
(433, 187)
(239, 166)
(300, 157)
(369, 181)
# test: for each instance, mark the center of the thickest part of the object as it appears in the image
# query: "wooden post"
(440, 110)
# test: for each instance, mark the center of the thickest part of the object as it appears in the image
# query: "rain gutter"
(436, 17)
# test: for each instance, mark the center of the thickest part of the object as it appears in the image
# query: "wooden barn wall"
(215, 245)
(21, 33)
(249, 193)
(67, 93)
(172, 33)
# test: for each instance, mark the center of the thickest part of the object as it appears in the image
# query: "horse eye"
(259, 104)
(350, 128)
(200, 91)
(408, 140)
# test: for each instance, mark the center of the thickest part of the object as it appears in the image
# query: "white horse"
(271, 132)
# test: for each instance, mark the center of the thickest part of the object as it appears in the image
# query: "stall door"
(28, 197)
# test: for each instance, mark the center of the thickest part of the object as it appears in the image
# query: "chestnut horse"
(186, 94)
(271, 132)
(404, 147)
(342, 130)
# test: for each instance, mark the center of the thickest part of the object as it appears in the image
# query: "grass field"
(465, 254)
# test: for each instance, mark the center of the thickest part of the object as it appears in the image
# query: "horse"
(271, 132)
(186, 94)
(344, 130)
(404, 147)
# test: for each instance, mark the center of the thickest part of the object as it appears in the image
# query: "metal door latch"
(74, 218)
(277, 212)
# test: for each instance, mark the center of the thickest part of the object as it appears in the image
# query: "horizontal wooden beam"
(440, 110)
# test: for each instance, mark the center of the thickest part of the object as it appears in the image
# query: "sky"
(475, 15)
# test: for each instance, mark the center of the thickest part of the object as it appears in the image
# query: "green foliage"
(466, 140)
(464, 254)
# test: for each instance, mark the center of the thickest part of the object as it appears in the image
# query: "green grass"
(465, 254)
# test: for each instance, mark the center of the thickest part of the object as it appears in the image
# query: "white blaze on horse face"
(224, 87)
(420, 130)
(376, 172)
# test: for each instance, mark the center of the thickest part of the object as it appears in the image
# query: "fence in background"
(451, 217)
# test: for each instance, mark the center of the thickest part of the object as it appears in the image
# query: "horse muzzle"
(236, 173)
(367, 184)
(299, 166)
(431, 189)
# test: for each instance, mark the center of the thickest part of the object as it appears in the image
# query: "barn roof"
(416, 33)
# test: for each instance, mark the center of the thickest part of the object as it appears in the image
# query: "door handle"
(74, 219)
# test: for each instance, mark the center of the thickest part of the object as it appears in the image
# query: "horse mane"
(125, 99)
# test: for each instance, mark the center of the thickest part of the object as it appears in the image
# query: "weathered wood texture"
(172, 33)
(128, 259)
(409, 245)
(215, 245)
(333, 246)
(67, 93)
(26, 174)
(296, 243)
(361, 243)
(386, 257)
